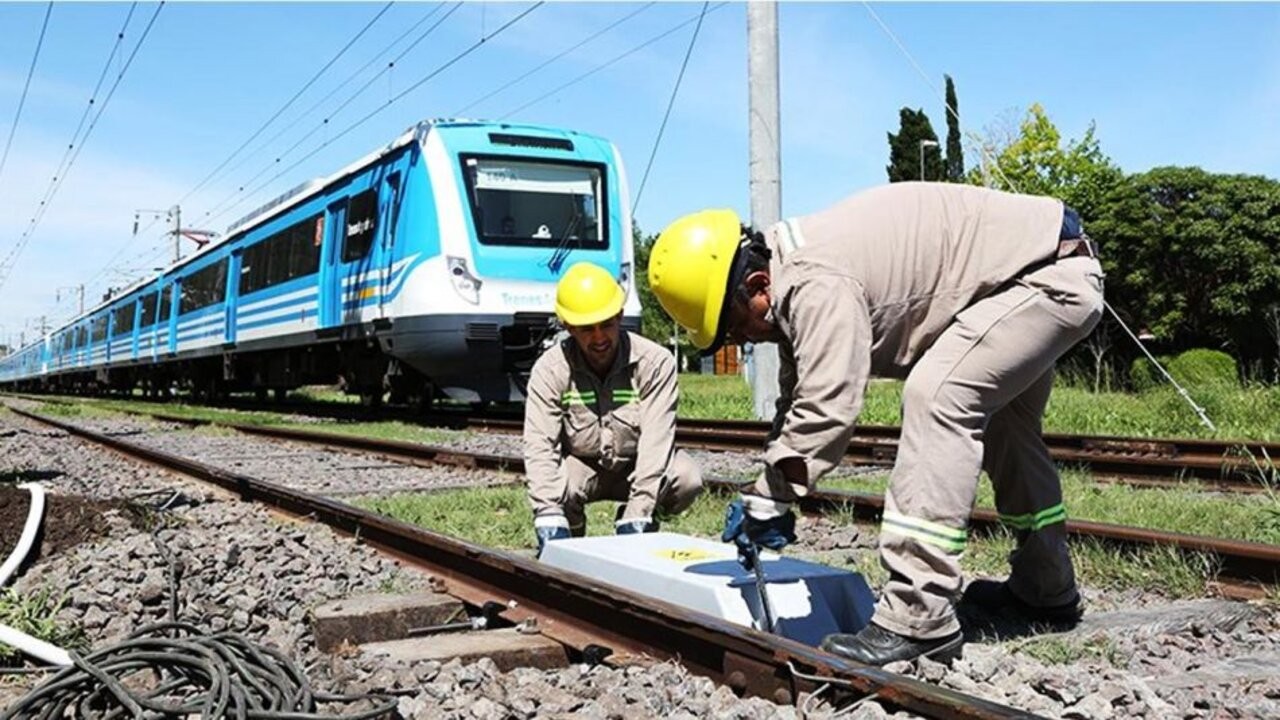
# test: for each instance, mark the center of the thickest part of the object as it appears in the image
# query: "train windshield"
(537, 203)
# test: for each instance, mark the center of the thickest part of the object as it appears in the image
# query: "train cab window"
(166, 302)
(537, 203)
(362, 224)
(122, 319)
(204, 288)
(148, 310)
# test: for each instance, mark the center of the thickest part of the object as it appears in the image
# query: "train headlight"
(466, 284)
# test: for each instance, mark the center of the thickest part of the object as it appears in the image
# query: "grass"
(1056, 650)
(35, 614)
(1240, 413)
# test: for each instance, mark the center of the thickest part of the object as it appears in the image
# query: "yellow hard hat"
(689, 270)
(588, 294)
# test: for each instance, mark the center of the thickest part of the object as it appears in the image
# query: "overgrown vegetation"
(35, 613)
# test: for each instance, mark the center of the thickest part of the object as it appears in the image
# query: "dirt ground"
(68, 521)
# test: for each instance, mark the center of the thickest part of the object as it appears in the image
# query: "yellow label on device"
(687, 555)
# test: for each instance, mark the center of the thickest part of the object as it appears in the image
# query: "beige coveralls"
(587, 439)
(960, 290)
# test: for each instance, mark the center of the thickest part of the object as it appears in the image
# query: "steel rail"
(1244, 569)
(598, 620)
(1235, 466)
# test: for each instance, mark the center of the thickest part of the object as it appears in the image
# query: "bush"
(1198, 367)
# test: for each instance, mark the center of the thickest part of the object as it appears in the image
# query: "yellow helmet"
(588, 294)
(689, 270)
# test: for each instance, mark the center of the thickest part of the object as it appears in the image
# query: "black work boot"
(995, 597)
(873, 645)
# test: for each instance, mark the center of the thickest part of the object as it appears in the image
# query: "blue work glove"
(548, 528)
(744, 527)
(635, 527)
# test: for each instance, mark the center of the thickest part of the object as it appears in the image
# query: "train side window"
(122, 320)
(204, 288)
(362, 225)
(166, 302)
(288, 254)
(100, 328)
(148, 310)
(82, 336)
(305, 239)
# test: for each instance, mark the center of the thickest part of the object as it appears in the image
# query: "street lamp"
(924, 144)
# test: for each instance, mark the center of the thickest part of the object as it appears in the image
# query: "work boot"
(995, 598)
(873, 645)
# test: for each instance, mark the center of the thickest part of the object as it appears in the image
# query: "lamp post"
(924, 144)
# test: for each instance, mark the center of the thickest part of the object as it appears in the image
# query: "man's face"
(599, 342)
(748, 316)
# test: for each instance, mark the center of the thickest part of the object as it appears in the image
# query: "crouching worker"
(600, 419)
(969, 294)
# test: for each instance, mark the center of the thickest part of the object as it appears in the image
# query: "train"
(425, 270)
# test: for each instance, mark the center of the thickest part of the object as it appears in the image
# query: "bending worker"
(970, 294)
(600, 418)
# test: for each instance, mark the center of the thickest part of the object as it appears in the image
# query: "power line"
(422, 81)
(597, 34)
(218, 208)
(25, 87)
(670, 104)
(290, 101)
(7, 266)
(607, 63)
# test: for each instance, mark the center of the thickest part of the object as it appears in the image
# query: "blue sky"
(1167, 84)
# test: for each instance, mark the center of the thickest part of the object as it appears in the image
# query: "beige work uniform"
(588, 439)
(960, 290)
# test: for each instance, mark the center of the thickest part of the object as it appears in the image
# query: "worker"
(600, 418)
(969, 294)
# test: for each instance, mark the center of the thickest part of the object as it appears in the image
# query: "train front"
(515, 206)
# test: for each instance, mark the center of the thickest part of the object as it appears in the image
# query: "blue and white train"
(426, 268)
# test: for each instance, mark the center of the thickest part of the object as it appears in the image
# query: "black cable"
(290, 101)
(4, 159)
(7, 266)
(456, 58)
(670, 104)
(607, 63)
(218, 209)
(559, 55)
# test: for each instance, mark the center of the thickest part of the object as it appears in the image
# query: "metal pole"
(176, 213)
(766, 170)
(81, 298)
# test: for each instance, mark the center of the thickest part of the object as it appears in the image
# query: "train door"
(359, 255)
(392, 200)
(229, 308)
(329, 230)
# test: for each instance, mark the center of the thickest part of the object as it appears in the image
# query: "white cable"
(995, 163)
(10, 636)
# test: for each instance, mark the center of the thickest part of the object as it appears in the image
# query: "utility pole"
(766, 171)
(79, 290)
(176, 231)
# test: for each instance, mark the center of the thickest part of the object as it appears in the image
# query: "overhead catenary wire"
(221, 206)
(7, 266)
(995, 163)
(670, 104)
(557, 56)
(400, 96)
(26, 86)
(612, 61)
(288, 103)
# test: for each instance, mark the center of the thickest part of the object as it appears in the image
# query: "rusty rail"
(595, 619)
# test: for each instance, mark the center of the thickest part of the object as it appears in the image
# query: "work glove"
(635, 527)
(548, 528)
(753, 521)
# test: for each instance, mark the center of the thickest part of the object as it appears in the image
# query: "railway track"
(1245, 569)
(1232, 466)
(596, 622)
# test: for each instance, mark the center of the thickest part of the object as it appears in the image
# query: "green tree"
(955, 154)
(654, 322)
(904, 148)
(1034, 161)
(1190, 255)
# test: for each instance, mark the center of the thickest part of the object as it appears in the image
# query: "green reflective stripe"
(625, 396)
(573, 397)
(932, 533)
(1036, 521)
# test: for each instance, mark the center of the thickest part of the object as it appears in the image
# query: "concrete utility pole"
(766, 171)
(79, 290)
(176, 231)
